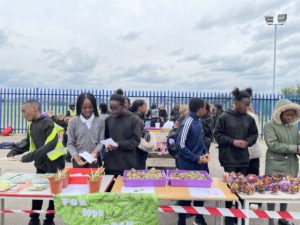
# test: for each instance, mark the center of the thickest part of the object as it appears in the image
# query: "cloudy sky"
(154, 45)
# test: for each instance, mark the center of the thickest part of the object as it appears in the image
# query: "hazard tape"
(237, 213)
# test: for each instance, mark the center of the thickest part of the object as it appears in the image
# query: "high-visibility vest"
(59, 149)
(72, 112)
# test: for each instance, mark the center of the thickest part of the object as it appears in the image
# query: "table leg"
(221, 217)
(246, 207)
(239, 207)
(2, 208)
(217, 206)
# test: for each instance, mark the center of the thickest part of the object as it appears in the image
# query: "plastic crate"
(79, 175)
(145, 182)
(188, 182)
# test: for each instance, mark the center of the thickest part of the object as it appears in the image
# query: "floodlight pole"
(274, 57)
(275, 46)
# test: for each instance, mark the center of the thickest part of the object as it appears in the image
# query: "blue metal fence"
(58, 100)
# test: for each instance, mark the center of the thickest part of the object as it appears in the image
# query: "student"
(71, 112)
(191, 149)
(163, 115)
(153, 115)
(104, 113)
(139, 108)
(255, 150)
(184, 110)
(218, 112)
(235, 131)
(127, 104)
(283, 141)
(125, 129)
(208, 126)
(85, 132)
(175, 114)
(45, 149)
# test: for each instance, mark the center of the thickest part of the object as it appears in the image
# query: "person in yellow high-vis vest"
(44, 148)
(71, 112)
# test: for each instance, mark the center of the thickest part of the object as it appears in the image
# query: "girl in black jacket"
(235, 131)
(125, 129)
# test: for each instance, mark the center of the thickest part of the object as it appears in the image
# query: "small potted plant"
(56, 182)
(94, 179)
(65, 174)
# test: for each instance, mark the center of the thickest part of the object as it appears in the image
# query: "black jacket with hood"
(40, 129)
(208, 127)
(232, 126)
(126, 131)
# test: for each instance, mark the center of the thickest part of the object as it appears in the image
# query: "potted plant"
(94, 179)
(56, 183)
(65, 177)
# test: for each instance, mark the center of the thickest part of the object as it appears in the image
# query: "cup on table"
(157, 125)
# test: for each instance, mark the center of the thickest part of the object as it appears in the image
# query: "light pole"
(281, 19)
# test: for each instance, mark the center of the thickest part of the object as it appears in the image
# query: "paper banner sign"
(108, 209)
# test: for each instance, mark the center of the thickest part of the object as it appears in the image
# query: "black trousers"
(253, 167)
(37, 204)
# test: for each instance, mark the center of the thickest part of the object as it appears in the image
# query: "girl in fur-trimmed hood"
(283, 140)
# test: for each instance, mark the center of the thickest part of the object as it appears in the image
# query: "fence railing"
(58, 100)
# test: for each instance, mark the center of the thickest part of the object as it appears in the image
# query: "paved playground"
(165, 219)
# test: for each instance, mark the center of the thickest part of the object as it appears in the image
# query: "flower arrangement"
(238, 183)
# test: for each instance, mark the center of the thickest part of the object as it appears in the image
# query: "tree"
(291, 90)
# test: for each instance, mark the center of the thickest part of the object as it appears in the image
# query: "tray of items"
(238, 183)
(145, 178)
(188, 178)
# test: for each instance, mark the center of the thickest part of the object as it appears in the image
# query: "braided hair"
(80, 100)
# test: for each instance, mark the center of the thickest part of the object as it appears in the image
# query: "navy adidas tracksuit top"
(190, 143)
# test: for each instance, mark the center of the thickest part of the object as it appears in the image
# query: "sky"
(176, 45)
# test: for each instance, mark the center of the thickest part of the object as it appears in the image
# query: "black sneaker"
(48, 222)
(284, 222)
(199, 223)
(230, 221)
(34, 222)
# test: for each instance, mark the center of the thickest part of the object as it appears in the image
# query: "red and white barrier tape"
(238, 213)
(27, 211)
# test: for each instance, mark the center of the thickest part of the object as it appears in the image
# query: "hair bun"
(235, 92)
(249, 90)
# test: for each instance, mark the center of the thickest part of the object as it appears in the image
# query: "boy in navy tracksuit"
(191, 147)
